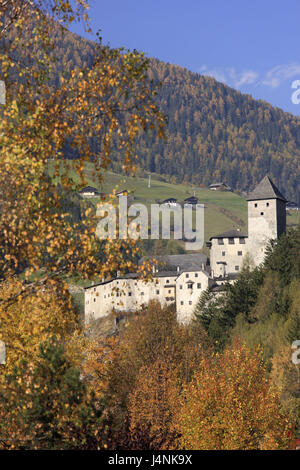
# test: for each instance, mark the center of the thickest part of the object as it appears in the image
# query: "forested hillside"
(214, 132)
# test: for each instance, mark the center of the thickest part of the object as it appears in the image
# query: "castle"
(185, 277)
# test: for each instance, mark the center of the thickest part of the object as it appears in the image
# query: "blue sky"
(251, 45)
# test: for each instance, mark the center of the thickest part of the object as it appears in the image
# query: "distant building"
(190, 201)
(89, 191)
(219, 187)
(171, 202)
(290, 206)
(125, 193)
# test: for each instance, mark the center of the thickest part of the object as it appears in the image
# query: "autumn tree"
(26, 322)
(231, 404)
(151, 407)
(45, 405)
(112, 101)
(153, 336)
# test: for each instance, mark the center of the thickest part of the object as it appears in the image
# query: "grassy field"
(223, 210)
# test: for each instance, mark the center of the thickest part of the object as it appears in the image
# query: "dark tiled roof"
(89, 189)
(187, 262)
(192, 199)
(166, 274)
(230, 234)
(291, 204)
(266, 189)
(170, 199)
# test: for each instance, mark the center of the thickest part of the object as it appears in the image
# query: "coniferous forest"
(214, 133)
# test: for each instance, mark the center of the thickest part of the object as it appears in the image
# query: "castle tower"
(266, 217)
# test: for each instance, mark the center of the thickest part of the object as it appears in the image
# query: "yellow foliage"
(29, 320)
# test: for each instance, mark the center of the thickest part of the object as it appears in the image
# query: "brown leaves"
(30, 319)
(151, 407)
(230, 404)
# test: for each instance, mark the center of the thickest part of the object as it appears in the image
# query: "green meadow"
(224, 210)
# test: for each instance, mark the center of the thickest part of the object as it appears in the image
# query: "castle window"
(237, 268)
(190, 286)
(130, 294)
(220, 241)
(142, 293)
(196, 275)
(267, 204)
(94, 300)
(181, 303)
(255, 205)
(240, 253)
(180, 286)
(199, 285)
(242, 241)
(169, 291)
(187, 275)
(231, 241)
(190, 302)
(261, 213)
(167, 281)
(157, 292)
(223, 253)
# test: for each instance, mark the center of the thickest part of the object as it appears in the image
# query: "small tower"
(266, 217)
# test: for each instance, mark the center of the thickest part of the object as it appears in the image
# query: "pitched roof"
(266, 189)
(192, 199)
(218, 184)
(184, 261)
(89, 189)
(171, 199)
(230, 234)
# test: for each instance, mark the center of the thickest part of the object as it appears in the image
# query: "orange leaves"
(151, 405)
(230, 404)
(29, 320)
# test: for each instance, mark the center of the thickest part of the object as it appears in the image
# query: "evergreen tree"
(46, 405)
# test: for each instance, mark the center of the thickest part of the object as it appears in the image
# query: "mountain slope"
(214, 132)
